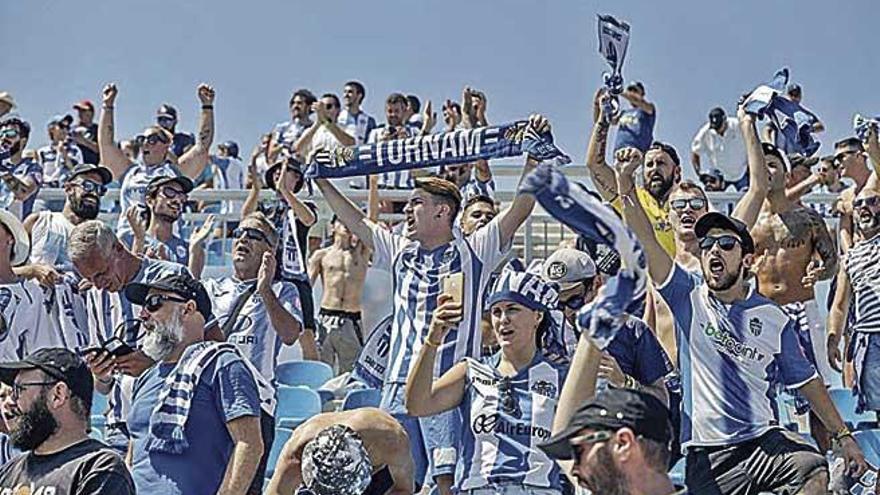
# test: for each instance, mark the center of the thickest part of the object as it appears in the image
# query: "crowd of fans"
(487, 382)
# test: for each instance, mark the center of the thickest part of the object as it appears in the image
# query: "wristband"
(840, 434)
(207, 107)
(107, 107)
(429, 343)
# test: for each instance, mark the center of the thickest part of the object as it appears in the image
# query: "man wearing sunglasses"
(619, 443)
(166, 118)
(20, 177)
(48, 414)
(155, 149)
(152, 224)
(61, 155)
(324, 133)
(796, 251)
(735, 346)
(851, 156)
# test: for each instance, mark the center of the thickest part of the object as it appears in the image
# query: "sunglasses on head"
(171, 193)
(579, 444)
(726, 242)
(154, 302)
(693, 203)
(154, 138)
(92, 187)
(869, 201)
(250, 234)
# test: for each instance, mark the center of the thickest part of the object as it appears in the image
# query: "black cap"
(159, 181)
(716, 220)
(59, 363)
(716, 117)
(611, 410)
(182, 284)
(86, 168)
(167, 110)
(292, 164)
(793, 89)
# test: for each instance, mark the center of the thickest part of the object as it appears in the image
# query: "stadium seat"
(310, 374)
(368, 397)
(869, 441)
(295, 405)
(282, 435)
(676, 474)
(845, 401)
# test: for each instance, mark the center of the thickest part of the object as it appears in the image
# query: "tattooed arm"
(823, 245)
(602, 175)
(196, 158)
(111, 156)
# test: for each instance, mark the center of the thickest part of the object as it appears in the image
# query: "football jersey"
(398, 179)
(175, 248)
(476, 187)
(862, 264)
(24, 328)
(658, 215)
(26, 168)
(55, 171)
(504, 419)
(134, 188)
(253, 333)
(357, 126)
(286, 133)
(49, 236)
(731, 358)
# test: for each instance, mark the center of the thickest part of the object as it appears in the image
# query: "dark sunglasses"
(726, 242)
(92, 187)
(694, 203)
(154, 302)
(866, 202)
(155, 138)
(171, 193)
(579, 444)
(250, 234)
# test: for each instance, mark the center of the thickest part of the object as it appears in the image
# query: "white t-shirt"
(727, 153)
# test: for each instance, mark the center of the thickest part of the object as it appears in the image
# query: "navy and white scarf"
(793, 122)
(862, 125)
(168, 420)
(572, 205)
(445, 148)
(613, 42)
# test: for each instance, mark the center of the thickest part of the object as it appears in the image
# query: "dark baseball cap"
(161, 180)
(59, 363)
(231, 147)
(292, 164)
(716, 117)
(85, 168)
(182, 284)
(611, 410)
(716, 220)
(167, 110)
(84, 105)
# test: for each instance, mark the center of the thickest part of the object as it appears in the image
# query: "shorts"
(869, 379)
(778, 461)
(340, 337)
(307, 300)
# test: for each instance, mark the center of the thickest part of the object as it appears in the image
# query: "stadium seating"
(845, 402)
(311, 374)
(368, 397)
(295, 405)
(282, 435)
(869, 441)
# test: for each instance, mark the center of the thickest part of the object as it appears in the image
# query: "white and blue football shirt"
(357, 126)
(731, 358)
(134, 188)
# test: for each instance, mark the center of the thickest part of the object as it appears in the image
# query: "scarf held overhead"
(445, 148)
(613, 42)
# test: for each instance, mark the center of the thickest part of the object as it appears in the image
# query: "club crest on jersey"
(181, 252)
(545, 388)
(755, 327)
(557, 270)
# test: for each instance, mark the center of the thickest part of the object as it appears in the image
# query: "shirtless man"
(362, 451)
(342, 267)
(796, 251)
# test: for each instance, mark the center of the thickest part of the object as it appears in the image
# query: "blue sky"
(527, 55)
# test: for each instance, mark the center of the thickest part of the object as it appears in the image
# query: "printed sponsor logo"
(545, 388)
(487, 424)
(727, 343)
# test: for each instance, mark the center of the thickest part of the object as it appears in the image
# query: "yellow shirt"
(659, 217)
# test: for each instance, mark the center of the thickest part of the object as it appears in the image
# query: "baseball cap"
(716, 220)
(712, 173)
(7, 98)
(336, 462)
(716, 117)
(292, 164)
(59, 363)
(84, 105)
(770, 149)
(21, 248)
(798, 159)
(182, 284)
(64, 120)
(85, 168)
(568, 267)
(231, 147)
(613, 409)
(793, 88)
(166, 110)
(161, 180)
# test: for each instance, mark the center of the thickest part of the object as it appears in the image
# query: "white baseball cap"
(22, 247)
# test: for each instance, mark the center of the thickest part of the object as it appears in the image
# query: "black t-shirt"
(86, 468)
(90, 133)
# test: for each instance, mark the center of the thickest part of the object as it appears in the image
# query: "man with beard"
(285, 134)
(157, 142)
(851, 157)
(195, 414)
(735, 346)
(857, 282)
(619, 442)
(342, 267)
(795, 251)
(324, 133)
(48, 416)
(61, 155)
(20, 177)
(49, 263)
(152, 224)
(359, 452)
(395, 127)
(102, 260)
(476, 213)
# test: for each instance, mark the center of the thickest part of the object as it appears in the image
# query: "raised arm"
(749, 206)
(253, 198)
(285, 324)
(196, 158)
(302, 212)
(639, 101)
(112, 156)
(246, 452)
(601, 174)
(519, 210)
(659, 262)
(347, 212)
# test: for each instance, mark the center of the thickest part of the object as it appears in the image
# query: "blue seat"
(845, 402)
(282, 435)
(676, 474)
(310, 374)
(368, 397)
(295, 405)
(869, 441)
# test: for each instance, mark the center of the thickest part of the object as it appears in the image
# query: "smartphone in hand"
(453, 284)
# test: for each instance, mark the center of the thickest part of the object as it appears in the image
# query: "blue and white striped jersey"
(55, 171)
(26, 168)
(134, 188)
(24, 326)
(417, 282)
(286, 133)
(357, 126)
(176, 249)
(862, 264)
(475, 187)
(253, 333)
(400, 179)
(731, 358)
(504, 419)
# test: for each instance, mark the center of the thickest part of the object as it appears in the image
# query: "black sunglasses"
(171, 193)
(869, 201)
(154, 138)
(579, 444)
(726, 242)
(92, 187)
(694, 203)
(250, 234)
(154, 302)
